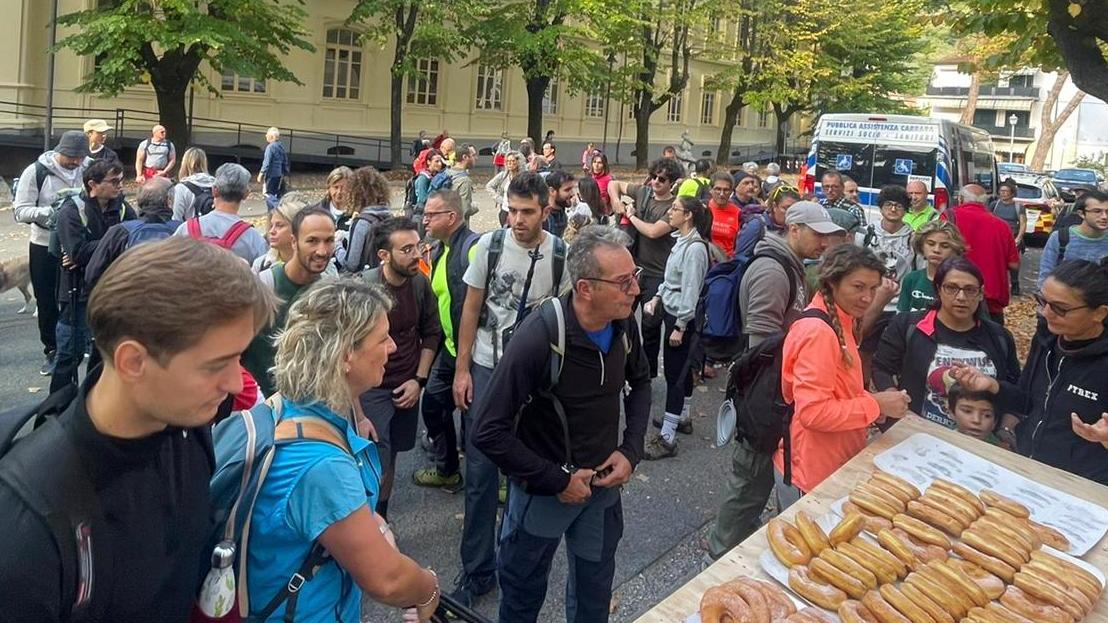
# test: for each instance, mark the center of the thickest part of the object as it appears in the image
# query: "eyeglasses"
(659, 178)
(953, 291)
(434, 214)
(625, 285)
(114, 181)
(891, 205)
(1055, 308)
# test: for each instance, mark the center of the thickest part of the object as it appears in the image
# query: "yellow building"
(345, 91)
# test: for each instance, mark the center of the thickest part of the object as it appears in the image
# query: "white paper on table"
(922, 458)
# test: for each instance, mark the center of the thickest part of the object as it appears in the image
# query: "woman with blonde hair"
(334, 348)
(195, 182)
(369, 195)
(935, 241)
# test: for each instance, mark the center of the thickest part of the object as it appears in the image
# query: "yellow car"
(1041, 201)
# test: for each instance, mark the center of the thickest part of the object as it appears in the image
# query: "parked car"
(1006, 168)
(1066, 179)
(1042, 201)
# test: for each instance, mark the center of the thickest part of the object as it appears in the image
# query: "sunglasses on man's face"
(661, 179)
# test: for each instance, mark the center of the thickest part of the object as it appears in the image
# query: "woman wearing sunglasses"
(781, 198)
(920, 351)
(1064, 388)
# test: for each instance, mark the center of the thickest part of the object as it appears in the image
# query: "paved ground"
(668, 506)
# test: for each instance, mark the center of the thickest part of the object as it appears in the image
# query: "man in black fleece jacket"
(574, 492)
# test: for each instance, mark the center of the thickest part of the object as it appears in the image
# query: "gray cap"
(73, 144)
(813, 215)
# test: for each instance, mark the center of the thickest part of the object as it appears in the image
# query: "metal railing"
(985, 91)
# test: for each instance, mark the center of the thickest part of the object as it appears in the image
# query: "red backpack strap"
(233, 234)
(193, 225)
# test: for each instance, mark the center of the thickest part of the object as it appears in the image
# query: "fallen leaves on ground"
(1019, 318)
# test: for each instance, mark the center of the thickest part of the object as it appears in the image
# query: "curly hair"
(837, 264)
(367, 187)
(957, 243)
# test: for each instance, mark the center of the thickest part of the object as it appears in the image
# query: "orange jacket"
(832, 408)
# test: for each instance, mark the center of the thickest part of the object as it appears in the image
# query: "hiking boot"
(658, 448)
(684, 427)
(47, 368)
(432, 478)
(467, 590)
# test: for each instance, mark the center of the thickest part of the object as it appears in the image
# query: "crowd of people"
(348, 323)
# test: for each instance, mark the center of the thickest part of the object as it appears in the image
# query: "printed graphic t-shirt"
(953, 347)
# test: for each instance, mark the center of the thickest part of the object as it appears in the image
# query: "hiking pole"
(78, 347)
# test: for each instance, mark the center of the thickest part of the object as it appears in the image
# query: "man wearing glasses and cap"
(97, 132)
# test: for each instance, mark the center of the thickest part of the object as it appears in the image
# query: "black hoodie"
(1059, 382)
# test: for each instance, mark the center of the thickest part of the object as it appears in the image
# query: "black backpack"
(762, 417)
(703, 190)
(410, 196)
(496, 249)
(1063, 242)
(202, 201)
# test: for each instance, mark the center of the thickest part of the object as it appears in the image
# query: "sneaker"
(47, 368)
(683, 427)
(467, 590)
(432, 478)
(658, 448)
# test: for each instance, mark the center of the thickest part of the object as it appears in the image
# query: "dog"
(17, 274)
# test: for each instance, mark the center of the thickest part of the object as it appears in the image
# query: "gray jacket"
(463, 183)
(34, 207)
(685, 270)
(182, 196)
(764, 291)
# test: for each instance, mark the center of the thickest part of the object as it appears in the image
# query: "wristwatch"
(422, 381)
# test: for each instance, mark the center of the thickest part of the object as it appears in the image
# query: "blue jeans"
(72, 337)
(533, 528)
(482, 481)
(273, 192)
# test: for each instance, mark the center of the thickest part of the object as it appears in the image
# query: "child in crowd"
(935, 241)
(974, 413)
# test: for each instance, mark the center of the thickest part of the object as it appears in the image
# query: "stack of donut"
(747, 600)
(944, 556)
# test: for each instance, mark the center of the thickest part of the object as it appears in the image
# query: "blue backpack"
(718, 307)
(442, 181)
(141, 232)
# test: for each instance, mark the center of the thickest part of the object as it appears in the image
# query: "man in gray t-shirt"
(221, 225)
(155, 156)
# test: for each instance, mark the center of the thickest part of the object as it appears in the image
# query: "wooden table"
(743, 560)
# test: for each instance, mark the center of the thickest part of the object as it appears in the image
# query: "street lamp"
(1012, 120)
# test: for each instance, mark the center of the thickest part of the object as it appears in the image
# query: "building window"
(676, 103)
(550, 98)
(342, 65)
(763, 118)
(708, 108)
(232, 82)
(595, 103)
(1022, 80)
(423, 88)
(490, 88)
(716, 23)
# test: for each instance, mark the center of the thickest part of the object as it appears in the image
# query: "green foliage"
(1089, 162)
(420, 28)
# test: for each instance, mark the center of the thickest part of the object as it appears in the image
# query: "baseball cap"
(72, 144)
(813, 215)
(98, 125)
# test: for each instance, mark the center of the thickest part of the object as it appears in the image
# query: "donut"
(1022, 526)
(780, 604)
(882, 494)
(1050, 536)
(921, 531)
(881, 553)
(965, 602)
(1006, 614)
(850, 527)
(982, 615)
(1048, 592)
(813, 535)
(809, 615)
(951, 505)
(819, 593)
(936, 517)
(787, 543)
(992, 564)
(880, 568)
(960, 491)
(872, 505)
(719, 605)
(873, 523)
(937, 593)
(962, 579)
(926, 552)
(1008, 505)
(992, 545)
(759, 609)
(992, 585)
(854, 612)
(905, 606)
(1083, 600)
(1014, 537)
(1035, 609)
(851, 567)
(882, 610)
(827, 572)
(930, 606)
(896, 482)
(1069, 572)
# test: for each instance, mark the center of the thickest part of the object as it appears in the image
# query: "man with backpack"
(106, 504)
(699, 185)
(511, 272)
(222, 226)
(50, 178)
(772, 294)
(1088, 240)
(457, 178)
(563, 196)
(450, 256)
(551, 420)
(82, 221)
(155, 222)
(155, 155)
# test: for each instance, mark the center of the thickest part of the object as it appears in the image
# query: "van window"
(887, 169)
(830, 155)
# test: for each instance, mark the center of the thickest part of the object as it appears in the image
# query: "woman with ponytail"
(821, 371)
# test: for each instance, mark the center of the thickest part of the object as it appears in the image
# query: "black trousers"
(651, 325)
(44, 279)
(678, 366)
(438, 414)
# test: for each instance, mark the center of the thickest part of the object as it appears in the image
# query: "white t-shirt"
(506, 289)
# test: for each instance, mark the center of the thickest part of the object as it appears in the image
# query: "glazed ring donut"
(882, 610)
(719, 605)
(1050, 536)
(938, 593)
(759, 610)
(1083, 600)
(883, 571)
(872, 505)
(780, 604)
(936, 518)
(950, 586)
(992, 564)
(1008, 505)
(896, 482)
(787, 543)
(921, 531)
(1048, 592)
(854, 612)
(827, 572)
(963, 581)
(1007, 615)
(819, 593)
(850, 527)
(926, 552)
(1069, 572)
(808, 615)
(851, 567)
(813, 535)
(993, 546)
(1032, 608)
(883, 495)
(1021, 526)
(961, 492)
(930, 606)
(882, 554)
(950, 505)
(1014, 537)
(873, 523)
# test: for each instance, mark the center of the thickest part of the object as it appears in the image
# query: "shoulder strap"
(1063, 242)
(268, 279)
(812, 312)
(788, 273)
(553, 316)
(496, 249)
(310, 428)
(232, 236)
(193, 225)
(559, 264)
(193, 188)
(41, 173)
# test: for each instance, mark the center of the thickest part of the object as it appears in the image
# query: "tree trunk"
(1048, 127)
(642, 131)
(971, 100)
(536, 89)
(730, 119)
(172, 113)
(1080, 48)
(781, 117)
(396, 111)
